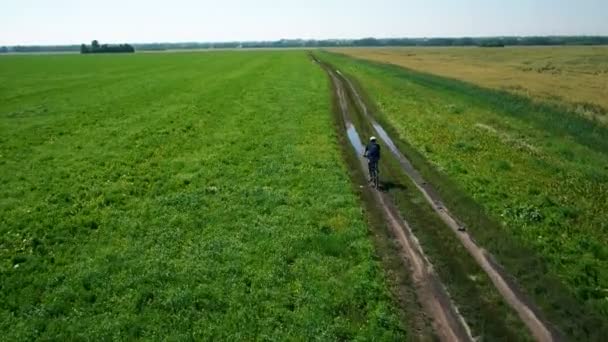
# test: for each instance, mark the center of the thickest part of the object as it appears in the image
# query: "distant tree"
(440, 42)
(536, 41)
(366, 42)
(511, 41)
(3, 49)
(463, 42)
(492, 43)
(106, 48)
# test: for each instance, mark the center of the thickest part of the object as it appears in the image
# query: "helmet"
(372, 139)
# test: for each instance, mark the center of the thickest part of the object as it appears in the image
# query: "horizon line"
(312, 39)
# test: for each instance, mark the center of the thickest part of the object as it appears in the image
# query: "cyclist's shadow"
(388, 186)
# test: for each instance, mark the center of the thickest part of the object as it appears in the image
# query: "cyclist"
(372, 153)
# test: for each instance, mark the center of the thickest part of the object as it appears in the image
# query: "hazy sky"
(114, 21)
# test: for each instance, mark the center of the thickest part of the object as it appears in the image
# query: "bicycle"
(373, 173)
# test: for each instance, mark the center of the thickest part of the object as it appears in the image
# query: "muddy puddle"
(354, 138)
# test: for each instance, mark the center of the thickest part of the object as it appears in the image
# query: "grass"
(573, 77)
(180, 196)
(532, 190)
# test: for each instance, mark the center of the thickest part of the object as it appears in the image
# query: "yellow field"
(574, 75)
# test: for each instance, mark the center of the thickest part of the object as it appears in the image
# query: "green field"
(530, 181)
(213, 196)
(196, 196)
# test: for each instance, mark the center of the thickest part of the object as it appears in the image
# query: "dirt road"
(447, 321)
(528, 312)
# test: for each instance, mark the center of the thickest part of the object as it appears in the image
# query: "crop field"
(529, 179)
(574, 77)
(203, 196)
(217, 195)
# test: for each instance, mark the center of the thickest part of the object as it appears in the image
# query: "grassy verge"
(180, 196)
(440, 126)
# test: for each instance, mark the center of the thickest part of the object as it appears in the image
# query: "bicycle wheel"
(376, 180)
(374, 175)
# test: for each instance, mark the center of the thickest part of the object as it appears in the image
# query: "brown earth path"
(446, 320)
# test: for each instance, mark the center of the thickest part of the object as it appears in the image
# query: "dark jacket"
(372, 151)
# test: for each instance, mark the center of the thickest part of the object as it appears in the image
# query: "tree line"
(371, 42)
(105, 48)
(39, 48)
(311, 43)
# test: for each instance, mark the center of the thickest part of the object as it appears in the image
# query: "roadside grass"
(534, 195)
(482, 307)
(180, 197)
(571, 77)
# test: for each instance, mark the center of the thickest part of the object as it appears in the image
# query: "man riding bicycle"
(372, 153)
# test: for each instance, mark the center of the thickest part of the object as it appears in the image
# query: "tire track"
(446, 320)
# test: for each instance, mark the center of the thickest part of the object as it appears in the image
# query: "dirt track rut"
(511, 293)
(447, 321)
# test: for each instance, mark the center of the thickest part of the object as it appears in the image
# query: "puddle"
(387, 140)
(354, 138)
(426, 188)
(405, 163)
